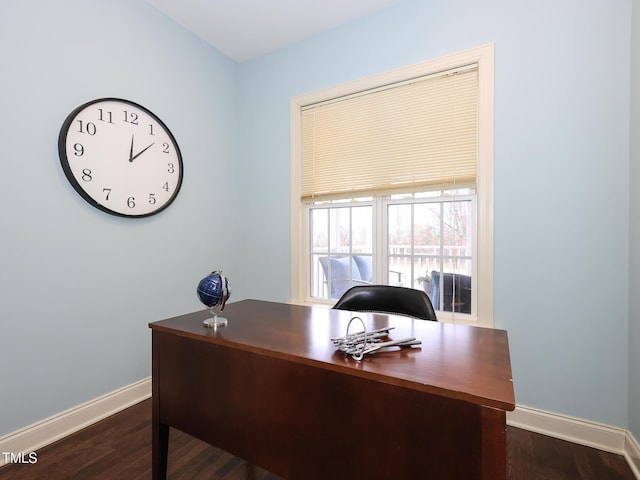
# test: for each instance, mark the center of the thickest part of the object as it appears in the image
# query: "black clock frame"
(64, 161)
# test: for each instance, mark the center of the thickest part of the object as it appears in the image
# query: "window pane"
(423, 279)
(342, 252)
(362, 230)
(317, 281)
(431, 248)
(427, 243)
(399, 230)
(399, 270)
(457, 237)
(400, 248)
(340, 229)
(452, 290)
(319, 229)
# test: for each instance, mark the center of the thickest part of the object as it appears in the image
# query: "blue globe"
(214, 290)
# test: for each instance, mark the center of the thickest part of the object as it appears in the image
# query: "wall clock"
(120, 157)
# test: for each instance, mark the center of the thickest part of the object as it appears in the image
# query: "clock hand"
(131, 150)
(141, 152)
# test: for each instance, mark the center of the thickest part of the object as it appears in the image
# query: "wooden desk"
(270, 388)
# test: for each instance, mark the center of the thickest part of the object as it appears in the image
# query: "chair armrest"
(399, 281)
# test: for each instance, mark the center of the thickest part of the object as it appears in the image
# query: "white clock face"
(120, 157)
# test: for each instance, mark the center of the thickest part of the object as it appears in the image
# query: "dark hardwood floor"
(119, 447)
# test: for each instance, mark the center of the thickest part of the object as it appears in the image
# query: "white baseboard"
(576, 430)
(33, 437)
(632, 453)
(584, 432)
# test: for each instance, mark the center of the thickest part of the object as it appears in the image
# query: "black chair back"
(387, 299)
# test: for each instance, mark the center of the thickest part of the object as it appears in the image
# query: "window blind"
(418, 134)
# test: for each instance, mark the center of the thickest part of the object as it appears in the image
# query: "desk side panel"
(303, 422)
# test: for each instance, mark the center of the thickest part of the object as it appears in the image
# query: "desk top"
(454, 361)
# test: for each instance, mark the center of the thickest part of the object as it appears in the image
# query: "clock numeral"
(151, 129)
(165, 187)
(86, 175)
(79, 149)
(131, 202)
(89, 127)
(152, 199)
(171, 168)
(108, 191)
(165, 148)
(130, 117)
(105, 116)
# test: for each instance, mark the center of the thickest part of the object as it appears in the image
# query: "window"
(392, 182)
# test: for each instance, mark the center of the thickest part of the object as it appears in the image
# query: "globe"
(213, 291)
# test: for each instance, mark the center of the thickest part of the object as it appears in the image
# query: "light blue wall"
(78, 286)
(634, 242)
(561, 166)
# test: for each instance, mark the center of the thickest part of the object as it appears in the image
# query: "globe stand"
(214, 291)
(216, 321)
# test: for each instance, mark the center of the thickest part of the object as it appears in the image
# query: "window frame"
(299, 222)
(308, 207)
(380, 237)
(443, 316)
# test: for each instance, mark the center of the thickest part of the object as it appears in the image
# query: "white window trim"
(443, 316)
(483, 56)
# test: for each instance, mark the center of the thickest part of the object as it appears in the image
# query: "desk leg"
(160, 446)
(494, 443)
(159, 430)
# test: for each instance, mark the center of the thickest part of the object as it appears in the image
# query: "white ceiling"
(244, 29)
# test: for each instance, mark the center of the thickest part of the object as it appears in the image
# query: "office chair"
(387, 299)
